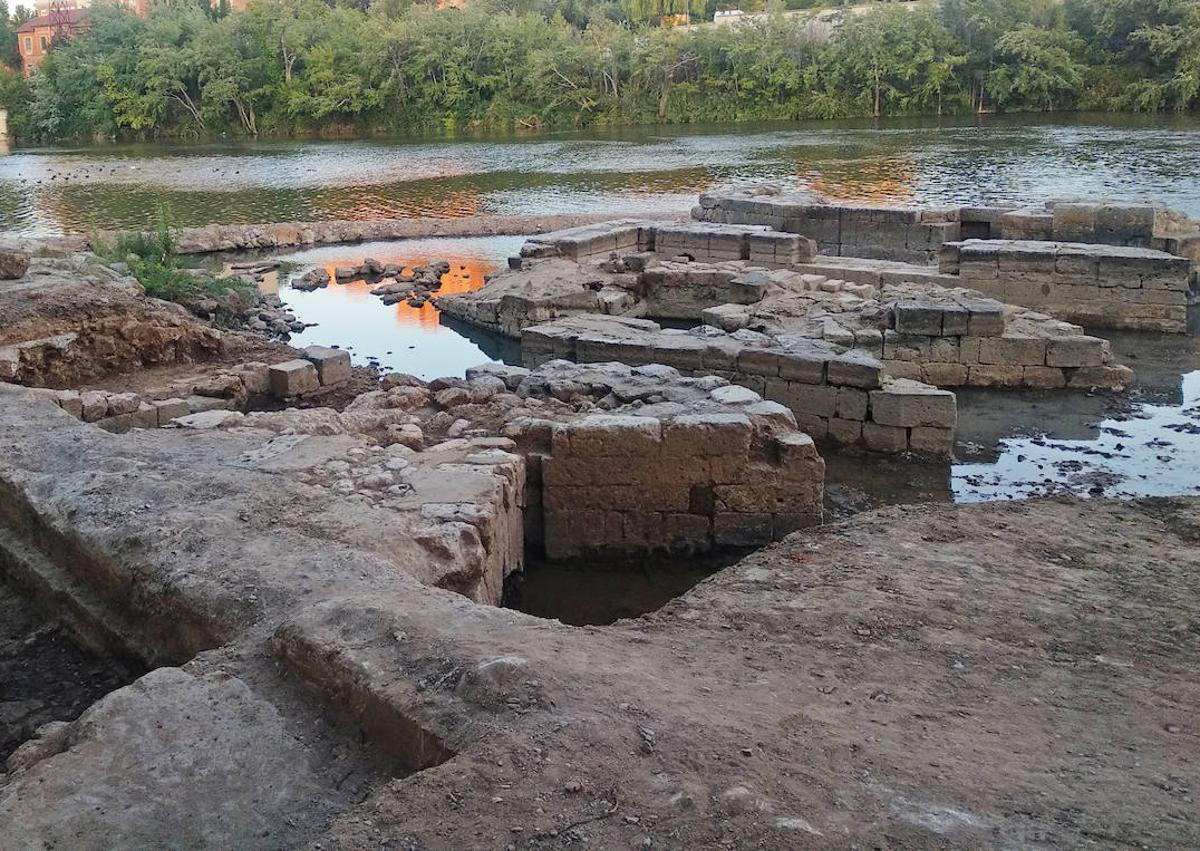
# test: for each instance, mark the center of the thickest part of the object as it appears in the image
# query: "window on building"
(29, 44)
(45, 43)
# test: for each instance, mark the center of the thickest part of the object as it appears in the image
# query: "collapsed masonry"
(753, 479)
(834, 338)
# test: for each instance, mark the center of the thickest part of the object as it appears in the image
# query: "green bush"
(152, 259)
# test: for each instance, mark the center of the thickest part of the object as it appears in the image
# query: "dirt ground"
(988, 676)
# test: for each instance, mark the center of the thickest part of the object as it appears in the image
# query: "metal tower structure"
(60, 21)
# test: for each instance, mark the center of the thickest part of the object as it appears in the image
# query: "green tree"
(1036, 69)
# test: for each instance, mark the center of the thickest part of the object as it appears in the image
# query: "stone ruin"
(829, 334)
(578, 460)
(1108, 265)
(301, 558)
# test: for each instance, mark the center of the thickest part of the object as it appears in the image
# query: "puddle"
(399, 337)
(44, 675)
(1154, 450)
(597, 593)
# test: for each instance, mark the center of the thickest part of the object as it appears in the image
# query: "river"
(75, 189)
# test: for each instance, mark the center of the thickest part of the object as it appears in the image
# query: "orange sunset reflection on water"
(398, 336)
(465, 275)
(889, 181)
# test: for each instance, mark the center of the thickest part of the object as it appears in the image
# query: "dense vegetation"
(296, 66)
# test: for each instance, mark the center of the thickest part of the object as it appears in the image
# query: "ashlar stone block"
(333, 365)
(908, 404)
(293, 378)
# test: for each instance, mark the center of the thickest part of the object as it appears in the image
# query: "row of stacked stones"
(949, 338)
(641, 459)
(204, 402)
(843, 395)
(1105, 264)
(886, 233)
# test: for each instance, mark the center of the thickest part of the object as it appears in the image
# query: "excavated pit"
(594, 592)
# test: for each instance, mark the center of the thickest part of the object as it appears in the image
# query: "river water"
(47, 191)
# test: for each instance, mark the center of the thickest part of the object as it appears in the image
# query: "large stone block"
(937, 442)
(855, 369)
(881, 438)
(169, 409)
(333, 365)
(610, 434)
(1075, 351)
(1012, 351)
(123, 403)
(846, 432)
(699, 435)
(806, 367)
(1074, 222)
(742, 530)
(908, 404)
(293, 378)
(71, 402)
(851, 404)
(995, 376)
(918, 316)
(94, 405)
(1125, 224)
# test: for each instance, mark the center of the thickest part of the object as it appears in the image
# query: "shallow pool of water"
(399, 337)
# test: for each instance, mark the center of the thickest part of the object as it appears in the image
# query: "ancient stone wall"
(1101, 285)
(835, 394)
(629, 485)
(885, 233)
(625, 461)
(205, 402)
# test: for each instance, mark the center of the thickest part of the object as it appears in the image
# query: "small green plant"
(152, 259)
(171, 283)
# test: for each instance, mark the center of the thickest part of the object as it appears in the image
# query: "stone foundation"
(1101, 285)
(833, 393)
(663, 463)
(885, 233)
(1102, 264)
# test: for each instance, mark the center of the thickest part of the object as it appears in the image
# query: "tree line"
(354, 66)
